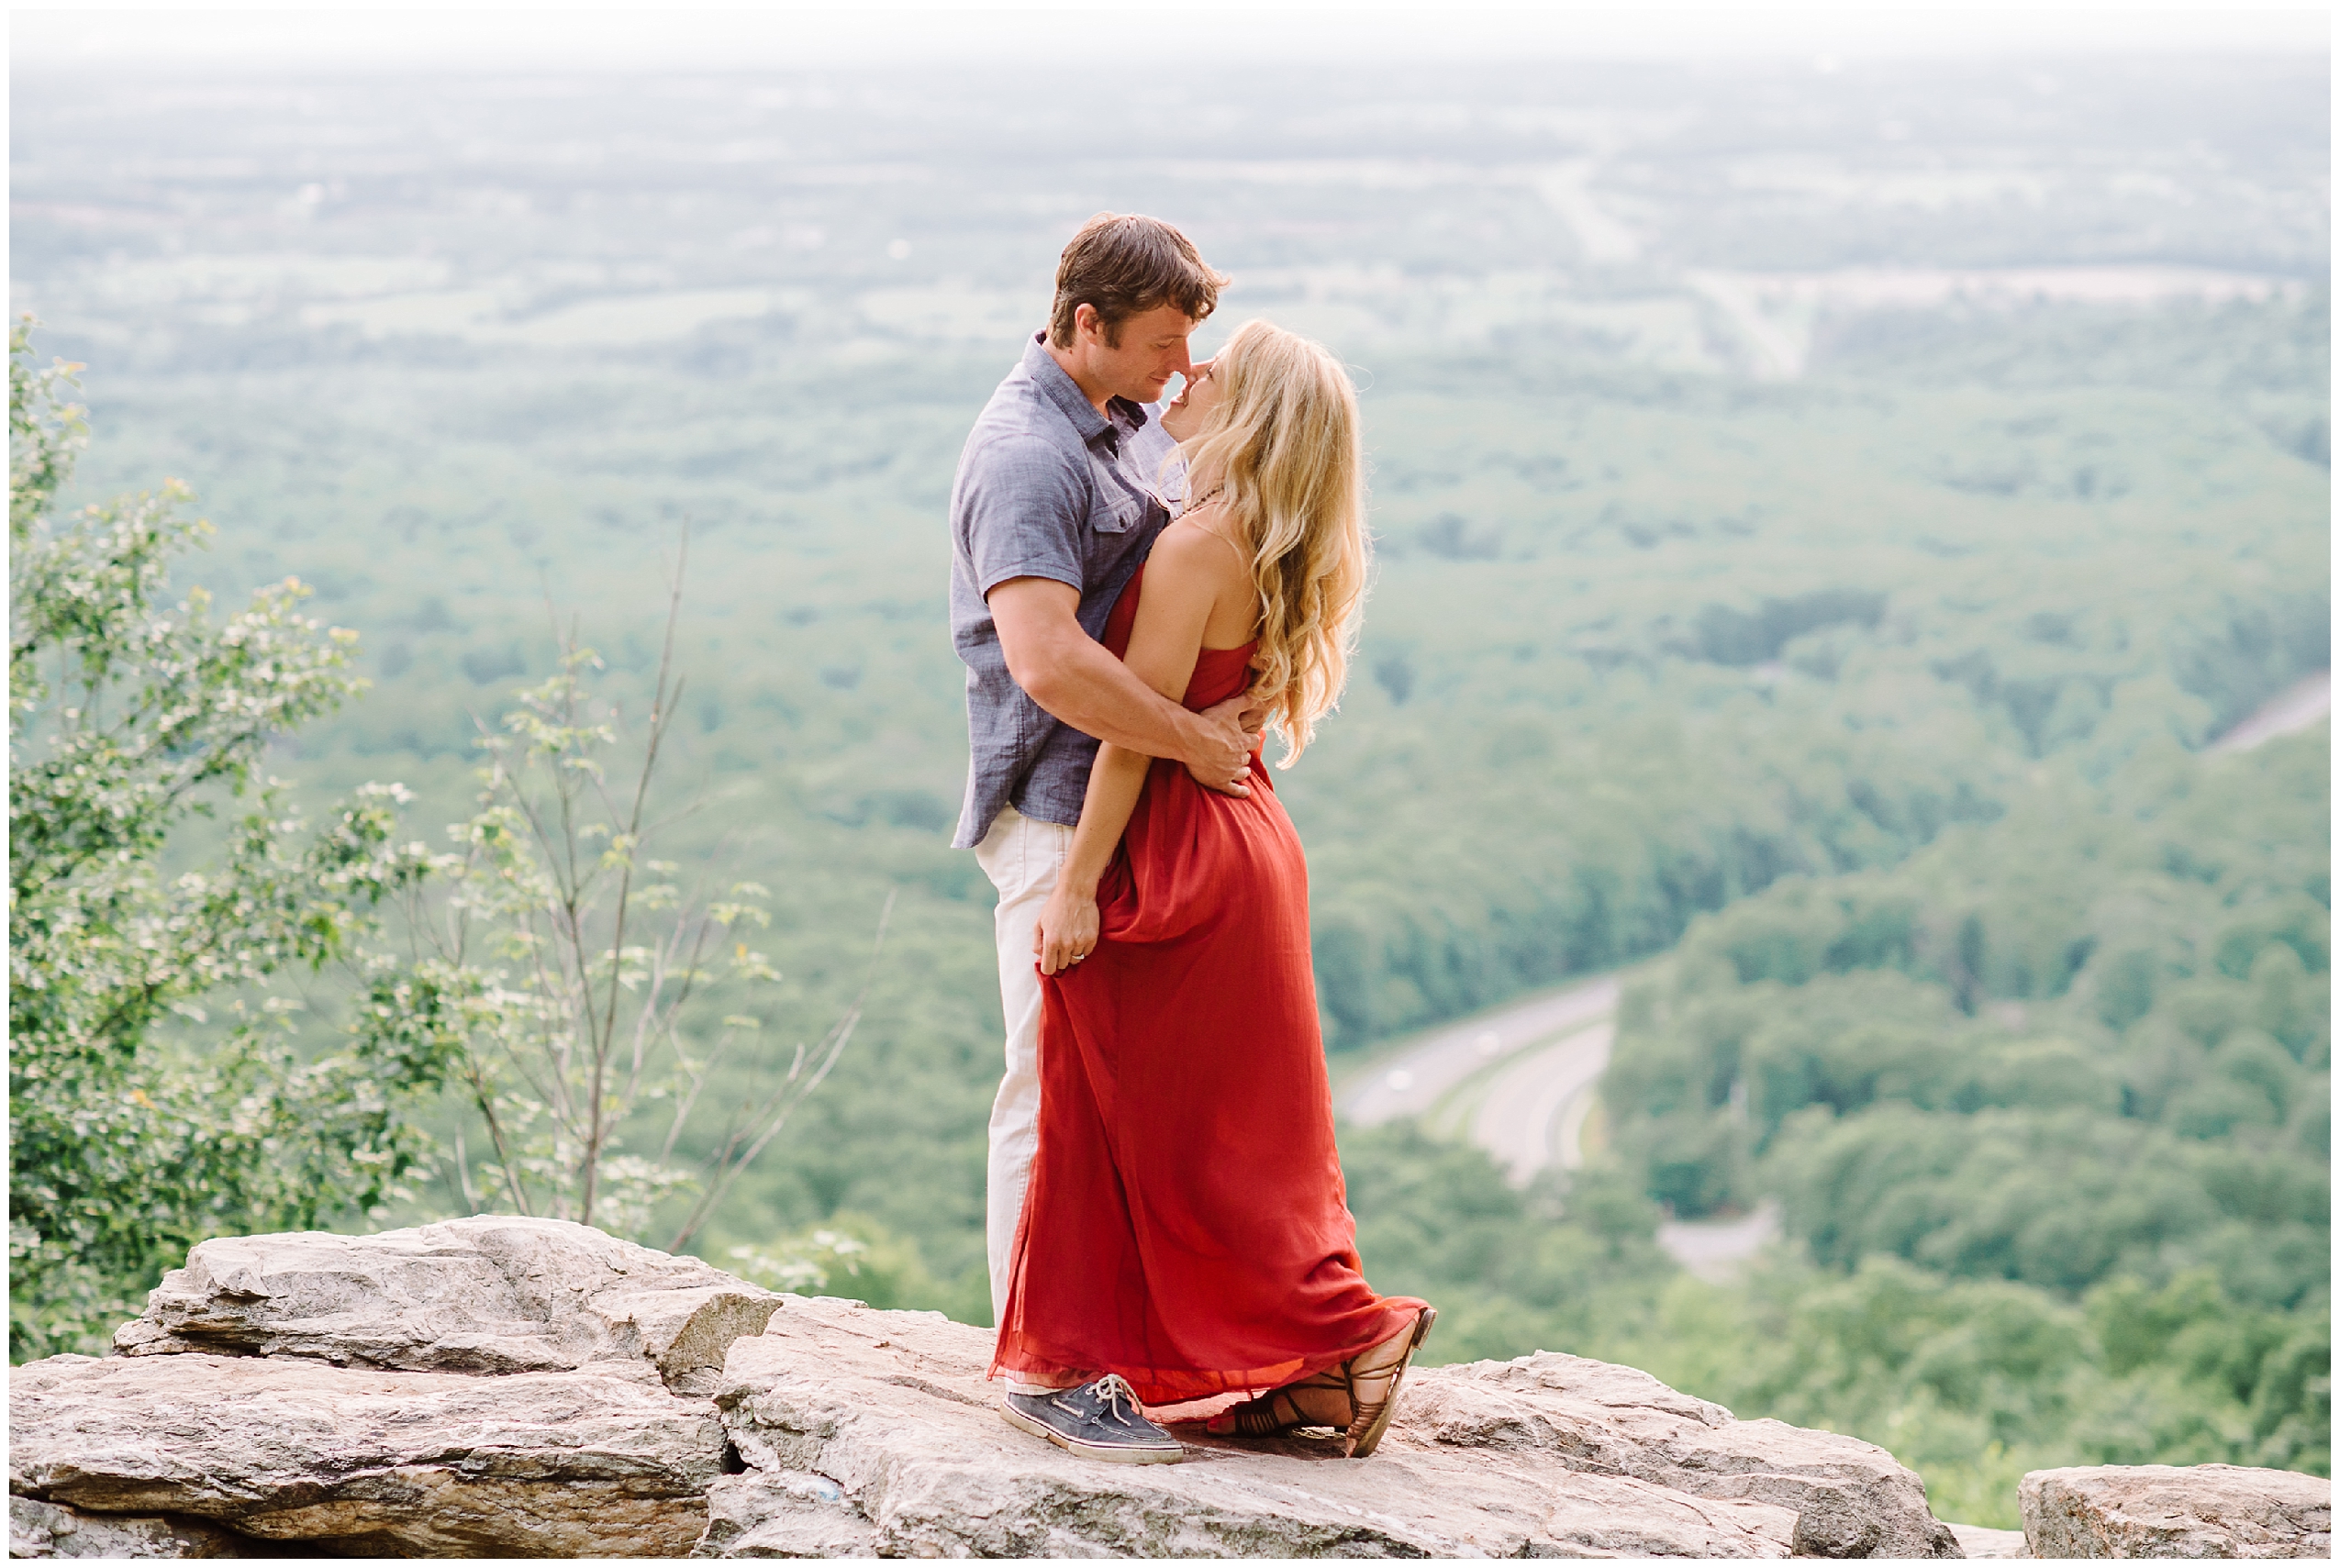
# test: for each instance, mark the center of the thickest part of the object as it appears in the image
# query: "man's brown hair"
(1126, 265)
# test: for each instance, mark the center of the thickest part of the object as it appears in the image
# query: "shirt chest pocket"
(1114, 508)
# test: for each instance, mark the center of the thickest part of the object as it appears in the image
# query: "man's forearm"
(1094, 693)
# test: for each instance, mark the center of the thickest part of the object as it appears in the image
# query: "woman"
(1186, 1233)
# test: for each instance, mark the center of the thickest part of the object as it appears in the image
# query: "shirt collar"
(1065, 392)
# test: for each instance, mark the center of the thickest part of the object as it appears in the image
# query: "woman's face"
(1198, 397)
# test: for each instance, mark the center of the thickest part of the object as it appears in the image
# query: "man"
(1058, 499)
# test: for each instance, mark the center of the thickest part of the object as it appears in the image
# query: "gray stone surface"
(596, 1462)
(50, 1529)
(1851, 1499)
(1548, 1455)
(2169, 1511)
(1981, 1540)
(492, 1294)
(782, 1513)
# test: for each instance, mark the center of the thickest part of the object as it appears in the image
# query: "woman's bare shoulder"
(1203, 569)
(1192, 545)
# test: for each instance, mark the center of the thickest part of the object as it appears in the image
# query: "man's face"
(1152, 348)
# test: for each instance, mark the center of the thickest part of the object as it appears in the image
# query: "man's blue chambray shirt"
(1047, 487)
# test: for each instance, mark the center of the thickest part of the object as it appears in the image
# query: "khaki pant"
(1023, 859)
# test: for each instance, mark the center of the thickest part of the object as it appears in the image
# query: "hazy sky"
(1069, 35)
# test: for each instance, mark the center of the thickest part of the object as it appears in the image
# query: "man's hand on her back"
(1236, 724)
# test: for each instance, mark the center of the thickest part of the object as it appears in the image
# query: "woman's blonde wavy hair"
(1283, 450)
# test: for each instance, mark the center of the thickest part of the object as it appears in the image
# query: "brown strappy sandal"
(1261, 1417)
(1370, 1416)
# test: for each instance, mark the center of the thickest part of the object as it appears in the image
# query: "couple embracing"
(1138, 592)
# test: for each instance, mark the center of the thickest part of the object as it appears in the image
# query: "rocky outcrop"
(507, 1387)
(1545, 1454)
(528, 1388)
(892, 1408)
(2164, 1510)
(484, 1295)
(380, 1463)
(1850, 1498)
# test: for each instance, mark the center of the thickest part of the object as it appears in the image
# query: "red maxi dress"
(1187, 1225)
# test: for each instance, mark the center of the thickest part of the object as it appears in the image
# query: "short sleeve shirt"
(1047, 487)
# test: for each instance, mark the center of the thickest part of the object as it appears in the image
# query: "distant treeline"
(1561, 855)
(2084, 1050)
(2046, 1110)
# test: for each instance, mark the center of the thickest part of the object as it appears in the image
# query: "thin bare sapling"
(594, 990)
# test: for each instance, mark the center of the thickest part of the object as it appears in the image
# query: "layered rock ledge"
(498, 1386)
(2166, 1510)
(486, 1294)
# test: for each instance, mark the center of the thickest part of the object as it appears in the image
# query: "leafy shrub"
(138, 1124)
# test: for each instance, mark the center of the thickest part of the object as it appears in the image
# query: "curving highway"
(1414, 1079)
(1524, 1120)
(1520, 1081)
(2286, 714)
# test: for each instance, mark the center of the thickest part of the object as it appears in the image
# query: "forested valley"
(1816, 566)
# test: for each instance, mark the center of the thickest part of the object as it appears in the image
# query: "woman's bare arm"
(1068, 923)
